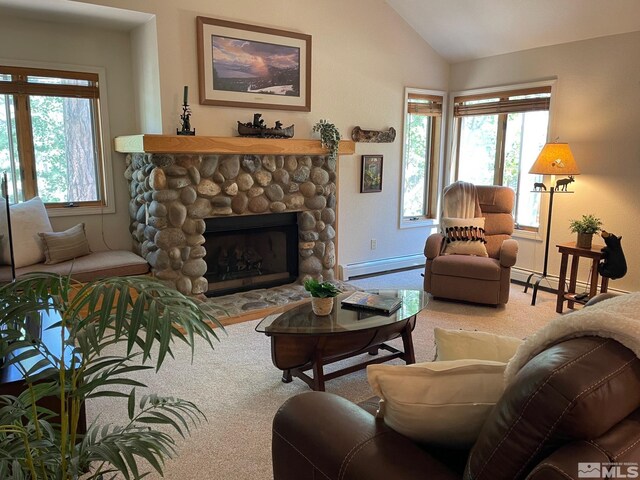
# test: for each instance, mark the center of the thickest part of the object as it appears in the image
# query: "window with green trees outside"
(497, 138)
(50, 142)
(421, 155)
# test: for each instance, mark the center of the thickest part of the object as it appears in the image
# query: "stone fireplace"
(177, 197)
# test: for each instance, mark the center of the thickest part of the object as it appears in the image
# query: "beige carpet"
(239, 390)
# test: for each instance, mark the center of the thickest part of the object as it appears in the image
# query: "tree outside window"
(421, 155)
(498, 137)
(49, 136)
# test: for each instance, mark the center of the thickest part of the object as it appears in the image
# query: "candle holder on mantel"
(185, 117)
(186, 123)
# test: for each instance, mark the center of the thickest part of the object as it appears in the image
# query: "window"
(421, 155)
(50, 141)
(498, 136)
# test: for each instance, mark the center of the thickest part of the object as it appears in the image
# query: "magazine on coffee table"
(373, 302)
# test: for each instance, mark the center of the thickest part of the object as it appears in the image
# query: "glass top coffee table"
(302, 341)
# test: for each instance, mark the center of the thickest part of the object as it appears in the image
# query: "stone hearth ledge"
(172, 194)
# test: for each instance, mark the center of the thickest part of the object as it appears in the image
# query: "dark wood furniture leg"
(573, 279)
(318, 373)
(407, 342)
(561, 281)
(593, 290)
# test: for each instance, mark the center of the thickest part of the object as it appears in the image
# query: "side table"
(595, 254)
(12, 381)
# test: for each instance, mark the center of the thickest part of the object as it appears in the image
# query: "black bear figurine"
(613, 264)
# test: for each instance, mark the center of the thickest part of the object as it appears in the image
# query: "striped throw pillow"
(63, 246)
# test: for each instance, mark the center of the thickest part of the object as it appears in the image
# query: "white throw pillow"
(27, 220)
(464, 236)
(441, 403)
(463, 344)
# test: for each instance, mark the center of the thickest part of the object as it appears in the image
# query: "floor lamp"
(5, 194)
(554, 159)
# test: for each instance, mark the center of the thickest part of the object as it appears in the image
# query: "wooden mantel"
(225, 145)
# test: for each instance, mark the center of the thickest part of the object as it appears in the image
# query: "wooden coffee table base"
(297, 354)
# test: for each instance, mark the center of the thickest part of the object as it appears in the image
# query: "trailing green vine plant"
(329, 137)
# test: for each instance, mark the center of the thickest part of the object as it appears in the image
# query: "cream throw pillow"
(63, 246)
(463, 344)
(27, 219)
(442, 403)
(464, 236)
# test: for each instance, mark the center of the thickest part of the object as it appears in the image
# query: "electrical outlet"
(374, 244)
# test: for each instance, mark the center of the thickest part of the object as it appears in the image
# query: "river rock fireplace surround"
(178, 183)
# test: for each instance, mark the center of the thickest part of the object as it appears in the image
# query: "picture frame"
(371, 174)
(249, 66)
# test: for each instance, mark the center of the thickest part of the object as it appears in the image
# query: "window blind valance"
(423, 104)
(516, 101)
(58, 83)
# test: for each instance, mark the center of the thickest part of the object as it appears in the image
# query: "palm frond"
(143, 314)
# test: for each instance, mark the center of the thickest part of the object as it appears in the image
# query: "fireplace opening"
(250, 251)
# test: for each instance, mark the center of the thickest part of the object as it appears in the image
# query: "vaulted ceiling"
(462, 30)
(458, 30)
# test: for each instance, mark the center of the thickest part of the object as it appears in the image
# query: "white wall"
(596, 111)
(59, 43)
(364, 55)
(146, 77)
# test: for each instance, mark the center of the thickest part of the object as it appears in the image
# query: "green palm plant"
(147, 318)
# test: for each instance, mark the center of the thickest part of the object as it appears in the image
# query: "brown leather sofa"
(577, 401)
(470, 278)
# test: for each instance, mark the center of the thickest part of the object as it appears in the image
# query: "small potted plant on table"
(321, 295)
(585, 228)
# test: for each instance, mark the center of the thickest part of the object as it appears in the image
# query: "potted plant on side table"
(585, 228)
(321, 295)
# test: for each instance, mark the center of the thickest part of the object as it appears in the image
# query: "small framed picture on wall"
(371, 180)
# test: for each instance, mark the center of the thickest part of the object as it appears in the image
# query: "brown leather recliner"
(577, 401)
(470, 278)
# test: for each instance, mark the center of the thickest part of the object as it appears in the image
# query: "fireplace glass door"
(251, 251)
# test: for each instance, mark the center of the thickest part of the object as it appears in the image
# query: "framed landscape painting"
(371, 180)
(242, 65)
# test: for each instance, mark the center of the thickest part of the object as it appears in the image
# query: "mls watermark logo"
(607, 470)
(589, 470)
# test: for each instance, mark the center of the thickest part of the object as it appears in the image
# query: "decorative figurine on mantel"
(186, 114)
(257, 128)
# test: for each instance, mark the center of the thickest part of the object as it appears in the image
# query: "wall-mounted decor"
(371, 180)
(242, 65)
(373, 136)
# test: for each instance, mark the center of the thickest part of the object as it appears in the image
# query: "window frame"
(104, 167)
(492, 92)
(434, 182)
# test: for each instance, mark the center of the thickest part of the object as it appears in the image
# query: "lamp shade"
(555, 159)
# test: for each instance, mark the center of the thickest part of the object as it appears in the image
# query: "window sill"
(527, 235)
(76, 211)
(419, 222)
